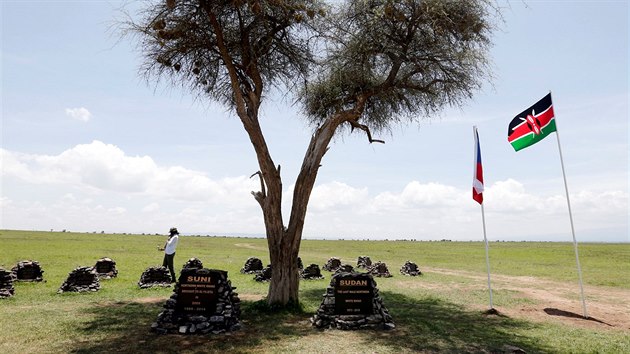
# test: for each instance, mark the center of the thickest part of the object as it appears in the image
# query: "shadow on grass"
(423, 325)
(434, 325)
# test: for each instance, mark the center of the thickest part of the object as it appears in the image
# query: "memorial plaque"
(197, 290)
(27, 273)
(104, 267)
(84, 279)
(354, 294)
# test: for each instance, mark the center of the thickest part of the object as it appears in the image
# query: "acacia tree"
(378, 63)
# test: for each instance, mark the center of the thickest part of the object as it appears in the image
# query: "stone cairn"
(155, 276)
(345, 268)
(379, 269)
(27, 271)
(6, 283)
(106, 268)
(252, 265)
(364, 262)
(311, 272)
(378, 318)
(332, 264)
(193, 263)
(411, 269)
(224, 316)
(264, 275)
(82, 279)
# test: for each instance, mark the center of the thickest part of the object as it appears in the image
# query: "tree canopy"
(400, 59)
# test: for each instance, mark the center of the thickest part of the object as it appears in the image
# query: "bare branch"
(260, 196)
(355, 124)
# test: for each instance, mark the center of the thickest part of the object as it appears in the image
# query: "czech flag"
(477, 188)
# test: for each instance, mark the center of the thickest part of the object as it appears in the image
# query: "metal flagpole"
(575, 247)
(485, 239)
(478, 183)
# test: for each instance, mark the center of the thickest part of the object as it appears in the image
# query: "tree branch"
(260, 196)
(355, 124)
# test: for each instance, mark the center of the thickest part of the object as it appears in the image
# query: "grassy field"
(441, 311)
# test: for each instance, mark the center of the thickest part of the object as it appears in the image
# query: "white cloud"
(100, 167)
(151, 208)
(336, 195)
(81, 114)
(97, 186)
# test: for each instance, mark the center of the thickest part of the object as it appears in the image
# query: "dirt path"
(559, 301)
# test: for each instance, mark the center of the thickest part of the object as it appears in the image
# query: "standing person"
(169, 251)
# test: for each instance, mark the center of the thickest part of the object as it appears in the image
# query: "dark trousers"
(168, 262)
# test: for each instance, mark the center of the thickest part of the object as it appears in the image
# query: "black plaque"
(197, 290)
(104, 267)
(354, 294)
(27, 273)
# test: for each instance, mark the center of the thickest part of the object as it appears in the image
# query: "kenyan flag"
(532, 125)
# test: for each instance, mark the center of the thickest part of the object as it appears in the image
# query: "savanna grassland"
(535, 290)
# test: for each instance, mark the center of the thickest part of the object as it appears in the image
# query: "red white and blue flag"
(477, 187)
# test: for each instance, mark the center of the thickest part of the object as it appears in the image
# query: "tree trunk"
(284, 245)
(285, 281)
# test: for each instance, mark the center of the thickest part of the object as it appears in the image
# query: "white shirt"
(171, 244)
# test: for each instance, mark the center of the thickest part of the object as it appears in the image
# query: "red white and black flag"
(532, 125)
(477, 188)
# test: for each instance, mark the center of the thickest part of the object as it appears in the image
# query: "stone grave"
(252, 265)
(411, 269)
(345, 268)
(352, 302)
(106, 268)
(155, 276)
(264, 275)
(27, 271)
(332, 264)
(81, 279)
(364, 262)
(193, 263)
(311, 272)
(6, 283)
(203, 301)
(379, 269)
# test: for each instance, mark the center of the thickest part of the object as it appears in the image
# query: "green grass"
(434, 313)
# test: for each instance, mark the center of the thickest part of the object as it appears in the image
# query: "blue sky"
(88, 145)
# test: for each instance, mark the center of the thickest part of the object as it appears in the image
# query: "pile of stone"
(6, 283)
(345, 268)
(219, 310)
(369, 313)
(411, 269)
(27, 271)
(193, 263)
(155, 276)
(106, 268)
(364, 262)
(252, 265)
(379, 269)
(264, 275)
(81, 279)
(311, 272)
(332, 264)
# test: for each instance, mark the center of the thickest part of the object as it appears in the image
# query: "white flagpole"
(575, 247)
(485, 239)
(483, 214)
